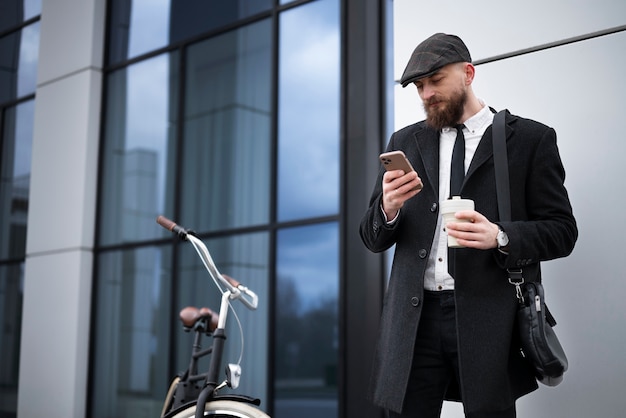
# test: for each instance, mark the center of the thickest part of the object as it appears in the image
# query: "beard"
(449, 114)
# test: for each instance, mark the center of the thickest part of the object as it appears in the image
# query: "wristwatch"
(502, 238)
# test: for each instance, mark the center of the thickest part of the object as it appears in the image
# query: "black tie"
(457, 174)
(457, 168)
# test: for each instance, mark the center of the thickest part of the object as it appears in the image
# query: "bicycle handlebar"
(172, 226)
(236, 289)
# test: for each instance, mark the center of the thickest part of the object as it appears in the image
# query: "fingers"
(476, 232)
(397, 183)
(398, 188)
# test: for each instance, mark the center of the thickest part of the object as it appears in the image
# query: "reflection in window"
(226, 161)
(11, 297)
(15, 161)
(308, 119)
(245, 258)
(31, 8)
(16, 12)
(139, 150)
(19, 53)
(132, 338)
(307, 321)
(140, 26)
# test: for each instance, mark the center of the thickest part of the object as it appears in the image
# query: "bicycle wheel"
(224, 409)
(167, 404)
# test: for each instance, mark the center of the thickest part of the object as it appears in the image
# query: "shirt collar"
(480, 121)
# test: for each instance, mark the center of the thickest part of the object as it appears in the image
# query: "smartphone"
(396, 160)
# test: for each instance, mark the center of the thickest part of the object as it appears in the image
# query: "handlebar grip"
(172, 226)
(245, 295)
(165, 222)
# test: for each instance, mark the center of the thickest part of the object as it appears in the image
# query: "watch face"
(502, 238)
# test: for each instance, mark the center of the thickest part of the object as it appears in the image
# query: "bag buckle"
(517, 279)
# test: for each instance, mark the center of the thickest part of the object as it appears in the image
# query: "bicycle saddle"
(190, 315)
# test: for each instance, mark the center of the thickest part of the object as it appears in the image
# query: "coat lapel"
(484, 151)
(427, 141)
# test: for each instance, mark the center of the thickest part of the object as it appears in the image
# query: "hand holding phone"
(396, 160)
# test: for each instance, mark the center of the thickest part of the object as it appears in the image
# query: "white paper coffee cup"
(449, 208)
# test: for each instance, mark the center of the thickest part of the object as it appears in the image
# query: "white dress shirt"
(437, 276)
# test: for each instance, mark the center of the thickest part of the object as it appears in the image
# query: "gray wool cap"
(433, 54)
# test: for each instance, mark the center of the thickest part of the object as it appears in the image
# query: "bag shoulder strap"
(503, 192)
(501, 166)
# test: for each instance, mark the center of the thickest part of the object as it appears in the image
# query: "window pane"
(11, 297)
(32, 8)
(140, 26)
(307, 321)
(15, 154)
(246, 259)
(131, 335)
(139, 150)
(308, 119)
(19, 54)
(15, 12)
(226, 163)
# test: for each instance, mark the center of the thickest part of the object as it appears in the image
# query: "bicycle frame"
(230, 290)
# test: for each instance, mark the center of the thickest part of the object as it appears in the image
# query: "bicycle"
(191, 388)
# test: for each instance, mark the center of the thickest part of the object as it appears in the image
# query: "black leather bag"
(538, 342)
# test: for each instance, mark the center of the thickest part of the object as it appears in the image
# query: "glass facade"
(132, 335)
(139, 149)
(141, 26)
(307, 329)
(223, 116)
(19, 49)
(308, 111)
(226, 157)
(18, 60)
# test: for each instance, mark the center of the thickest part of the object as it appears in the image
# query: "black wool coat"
(493, 373)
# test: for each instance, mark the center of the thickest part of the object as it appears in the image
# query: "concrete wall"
(578, 89)
(58, 272)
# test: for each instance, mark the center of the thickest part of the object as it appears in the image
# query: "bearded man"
(450, 336)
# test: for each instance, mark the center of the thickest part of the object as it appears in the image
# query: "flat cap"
(433, 54)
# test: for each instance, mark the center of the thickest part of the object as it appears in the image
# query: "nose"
(426, 91)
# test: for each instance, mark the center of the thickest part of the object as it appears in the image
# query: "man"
(451, 336)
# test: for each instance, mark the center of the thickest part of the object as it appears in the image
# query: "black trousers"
(436, 361)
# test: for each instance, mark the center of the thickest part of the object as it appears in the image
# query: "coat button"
(433, 208)
(415, 301)
(423, 253)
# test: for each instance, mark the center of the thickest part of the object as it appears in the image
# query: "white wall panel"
(578, 89)
(72, 37)
(64, 162)
(55, 335)
(493, 27)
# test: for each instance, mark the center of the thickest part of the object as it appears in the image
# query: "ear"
(469, 71)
